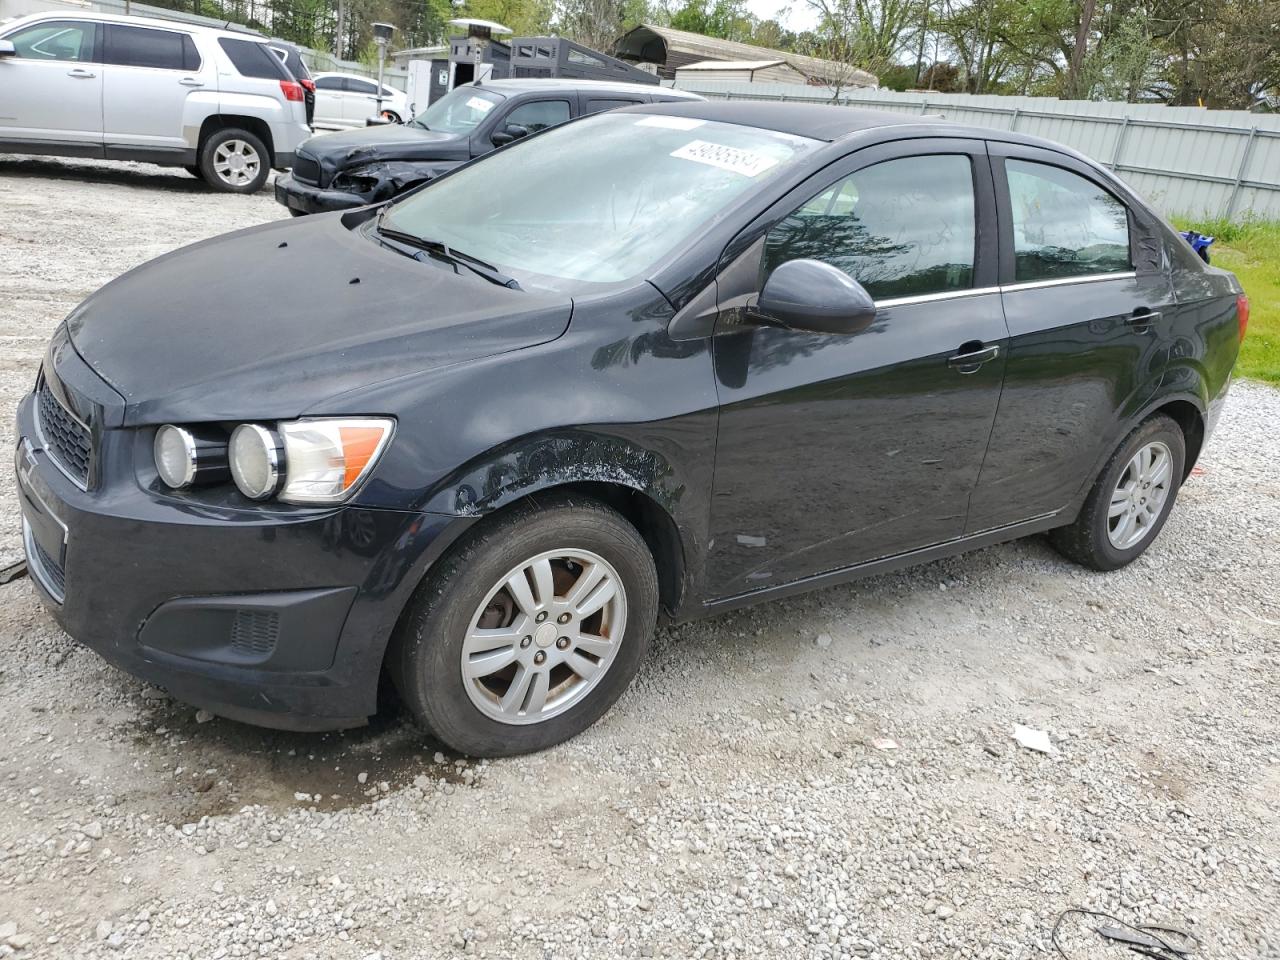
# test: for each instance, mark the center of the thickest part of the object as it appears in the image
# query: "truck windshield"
(599, 200)
(459, 111)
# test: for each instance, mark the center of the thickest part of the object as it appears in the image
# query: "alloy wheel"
(1140, 495)
(544, 636)
(236, 162)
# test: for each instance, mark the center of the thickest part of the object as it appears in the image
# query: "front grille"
(67, 440)
(254, 632)
(44, 567)
(304, 168)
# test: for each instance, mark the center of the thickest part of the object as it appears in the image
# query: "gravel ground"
(742, 800)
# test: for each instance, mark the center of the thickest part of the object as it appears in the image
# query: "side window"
(252, 59)
(539, 114)
(361, 86)
(1064, 225)
(329, 83)
(55, 40)
(901, 228)
(598, 106)
(143, 47)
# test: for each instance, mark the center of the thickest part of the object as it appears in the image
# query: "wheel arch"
(1191, 419)
(223, 121)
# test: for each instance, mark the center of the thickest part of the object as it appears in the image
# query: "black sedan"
(659, 363)
(339, 171)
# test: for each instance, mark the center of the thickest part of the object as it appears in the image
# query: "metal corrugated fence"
(1185, 160)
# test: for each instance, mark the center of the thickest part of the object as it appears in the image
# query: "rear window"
(254, 59)
(144, 47)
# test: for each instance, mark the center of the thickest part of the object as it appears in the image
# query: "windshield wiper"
(441, 250)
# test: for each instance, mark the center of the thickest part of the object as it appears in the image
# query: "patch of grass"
(1251, 250)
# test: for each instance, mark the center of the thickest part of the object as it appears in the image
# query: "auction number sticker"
(748, 163)
(480, 103)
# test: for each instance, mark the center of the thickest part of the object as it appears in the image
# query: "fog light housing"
(188, 456)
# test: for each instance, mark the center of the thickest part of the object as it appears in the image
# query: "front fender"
(389, 178)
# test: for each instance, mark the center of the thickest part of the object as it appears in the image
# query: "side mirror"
(512, 131)
(7, 49)
(815, 296)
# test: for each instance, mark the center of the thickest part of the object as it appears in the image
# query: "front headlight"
(306, 461)
(188, 456)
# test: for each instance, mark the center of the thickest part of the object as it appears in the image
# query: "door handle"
(972, 357)
(1142, 317)
(191, 82)
(81, 74)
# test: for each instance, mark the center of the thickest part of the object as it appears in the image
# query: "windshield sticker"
(748, 163)
(671, 123)
(480, 103)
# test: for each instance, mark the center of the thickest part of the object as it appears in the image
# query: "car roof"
(233, 30)
(352, 76)
(820, 121)
(518, 85)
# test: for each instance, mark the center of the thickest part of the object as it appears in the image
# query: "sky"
(792, 14)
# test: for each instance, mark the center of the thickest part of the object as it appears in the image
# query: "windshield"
(460, 111)
(599, 200)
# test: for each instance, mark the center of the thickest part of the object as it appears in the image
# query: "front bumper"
(279, 618)
(305, 198)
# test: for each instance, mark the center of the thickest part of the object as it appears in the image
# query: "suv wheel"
(530, 630)
(234, 161)
(1131, 499)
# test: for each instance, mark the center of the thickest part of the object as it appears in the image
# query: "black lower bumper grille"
(304, 168)
(44, 567)
(68, 440)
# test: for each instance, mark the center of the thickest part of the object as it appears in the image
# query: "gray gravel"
(828, 776)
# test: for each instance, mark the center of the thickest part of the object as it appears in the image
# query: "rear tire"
(554, 670)
(1131, 499)
(234, 161)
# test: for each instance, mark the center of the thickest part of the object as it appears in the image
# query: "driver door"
(837, 450)
(51, 89)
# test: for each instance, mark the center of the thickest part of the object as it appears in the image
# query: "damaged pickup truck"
(338, 171)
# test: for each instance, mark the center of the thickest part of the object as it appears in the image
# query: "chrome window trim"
(1005, 288)
(931, 297)
(1067, 281)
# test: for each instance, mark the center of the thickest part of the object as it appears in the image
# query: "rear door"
(1088, 303)
(51, 91)
(839, 450)
(329, 101)
(359, 101)
(148, 74)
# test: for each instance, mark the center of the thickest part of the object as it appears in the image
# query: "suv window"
(55, 40)
(595, 106)
(901, 228)
(539, 114)
(254, 59)
(144, 47)
(329, 83)
(1064, 225)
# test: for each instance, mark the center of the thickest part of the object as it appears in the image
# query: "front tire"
(1131, 499)
(527, 632)
(234, 161)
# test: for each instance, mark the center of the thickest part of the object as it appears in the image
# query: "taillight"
(1242, 313)
(309, 84)
(292, 90)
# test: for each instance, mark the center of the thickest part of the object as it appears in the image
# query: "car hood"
(352, 148)
(268, 322)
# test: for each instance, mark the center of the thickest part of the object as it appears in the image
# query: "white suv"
(217, 102)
